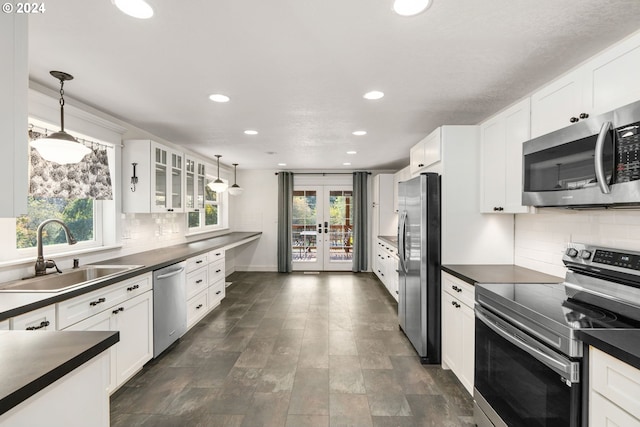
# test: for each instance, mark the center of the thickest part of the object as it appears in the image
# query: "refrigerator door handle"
(402, 251)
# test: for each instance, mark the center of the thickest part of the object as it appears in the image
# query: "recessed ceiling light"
(217, 97)
(346, 164)
(410, 7)
(374, 94)
(282, 164)
(359, 132)
(137, 8)
(251, 132)
(351, 152)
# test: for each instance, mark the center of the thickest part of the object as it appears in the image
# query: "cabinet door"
(175, 183)
(134, 320)
(492, 164)
(553, 106)
(517, 129)
(190, 184)
(603, 412)
(13, 115)
(612, 77)
(451, 326)
(467, 353)
(160, 201)
(102, 322)
(416, 158)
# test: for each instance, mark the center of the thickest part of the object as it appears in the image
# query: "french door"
(322, 228)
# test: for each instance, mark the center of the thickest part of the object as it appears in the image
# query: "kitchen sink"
(57, 282)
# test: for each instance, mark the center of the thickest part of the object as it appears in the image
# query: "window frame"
(222, 203)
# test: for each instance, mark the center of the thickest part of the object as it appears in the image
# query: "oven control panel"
(594, 258)
(619, 259)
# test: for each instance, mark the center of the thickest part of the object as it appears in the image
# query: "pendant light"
(60, 147)
(218, 185)
(235, 189)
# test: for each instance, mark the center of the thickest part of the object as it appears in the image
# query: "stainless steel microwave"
(593, 163)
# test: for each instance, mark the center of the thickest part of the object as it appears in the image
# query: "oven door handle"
(564, 367)
(599, 158)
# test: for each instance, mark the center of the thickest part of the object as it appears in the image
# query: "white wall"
(542, 238)
(256, 209)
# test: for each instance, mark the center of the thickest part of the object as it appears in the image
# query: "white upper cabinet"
(384, 218)
(194, 178)
(398, 177)
(604, 83)
(559, 104)
(14, 75)
(160, 177)
(501, 139)
(425, 153)
(612, 77)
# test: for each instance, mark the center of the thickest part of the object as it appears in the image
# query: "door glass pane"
(340, 226)
(304, 224)
(176, 190)
(190, 202)
(161, 185)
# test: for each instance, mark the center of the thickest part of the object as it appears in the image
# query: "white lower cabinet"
(197, 307)
(133, 318)
(78, 399)
(385, 266)
(4, 325)
(458, 329)
(614, 395)
(41, 319)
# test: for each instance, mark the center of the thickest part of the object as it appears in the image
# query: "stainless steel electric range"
(527, 357)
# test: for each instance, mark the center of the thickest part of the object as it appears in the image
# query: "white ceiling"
(296, 70)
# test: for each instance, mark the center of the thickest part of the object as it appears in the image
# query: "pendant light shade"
(218, 185)
(235, 189)
(60, 147)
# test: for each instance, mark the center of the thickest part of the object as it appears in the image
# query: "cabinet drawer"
(216, 293)
(197, 307)
(615, 380)
(41, 319)
(196, 282)
(216, 255)
(458, 289)
(196, 262)
(216, 271)
(603, 412)
(79, 308)
(4, 325)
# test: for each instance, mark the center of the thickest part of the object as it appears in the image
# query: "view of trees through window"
(78, 214)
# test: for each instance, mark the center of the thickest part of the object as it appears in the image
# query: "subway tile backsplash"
(541, 238)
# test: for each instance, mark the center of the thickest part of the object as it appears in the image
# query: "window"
(212, 217)
(78, 214)
(83, 216)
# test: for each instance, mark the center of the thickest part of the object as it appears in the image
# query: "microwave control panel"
(628, 153)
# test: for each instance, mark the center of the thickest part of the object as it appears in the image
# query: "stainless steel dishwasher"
(169, 306)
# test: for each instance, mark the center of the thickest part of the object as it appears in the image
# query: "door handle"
(599, 158)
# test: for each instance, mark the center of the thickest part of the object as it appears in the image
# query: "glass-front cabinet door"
(195, 179)
(168, 179)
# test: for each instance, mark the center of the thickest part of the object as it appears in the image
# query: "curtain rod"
(324, 173)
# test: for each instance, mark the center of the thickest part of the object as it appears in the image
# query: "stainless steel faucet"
(41, 264)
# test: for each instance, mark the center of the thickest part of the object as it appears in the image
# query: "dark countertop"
(13, 303)
(499, 273)
(391, 240)
(32, 360)
(623, 344)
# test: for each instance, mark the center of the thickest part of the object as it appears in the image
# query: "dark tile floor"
(294, 350)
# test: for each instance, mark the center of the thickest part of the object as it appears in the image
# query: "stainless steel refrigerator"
(419, 269)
